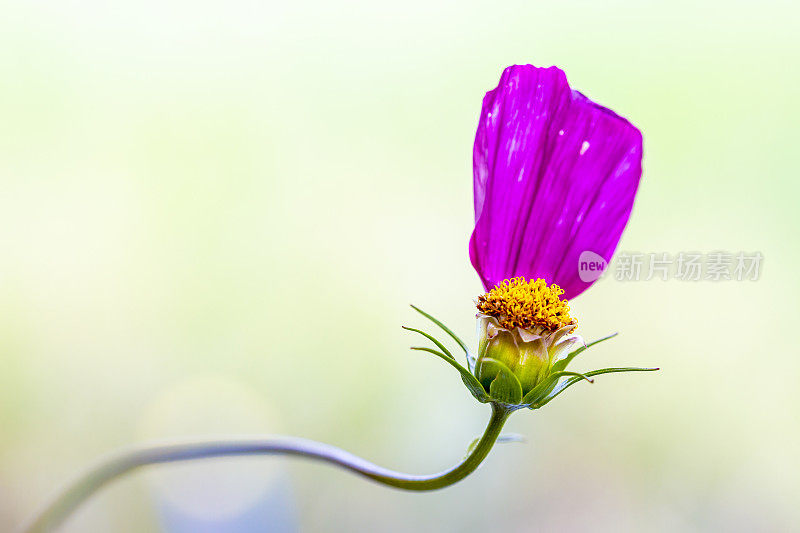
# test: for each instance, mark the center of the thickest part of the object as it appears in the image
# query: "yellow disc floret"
(527, 304)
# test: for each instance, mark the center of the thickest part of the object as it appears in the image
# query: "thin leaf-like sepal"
(504, 385)
(445, 328)
(569, 382)
(471, 382)
(505, 438)
(502, 439)
(432, 339)
(562, 364)
(542, 388)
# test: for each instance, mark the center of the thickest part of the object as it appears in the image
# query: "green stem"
(106, 471)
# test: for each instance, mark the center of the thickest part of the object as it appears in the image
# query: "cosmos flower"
(554, 178)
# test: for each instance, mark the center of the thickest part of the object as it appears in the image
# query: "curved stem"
(108, 470)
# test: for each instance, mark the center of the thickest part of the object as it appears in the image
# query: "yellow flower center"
(527, 304)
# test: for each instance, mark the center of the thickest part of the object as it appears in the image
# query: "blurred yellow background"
(213, 217)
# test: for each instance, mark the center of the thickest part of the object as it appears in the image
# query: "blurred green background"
(213, 217)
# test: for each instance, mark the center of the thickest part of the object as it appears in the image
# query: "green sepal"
(432, 339)
(562, 364)
(470, 357)
(503, 384)
(542, 389)
(471, 382)
(571, 381)
(505, 388)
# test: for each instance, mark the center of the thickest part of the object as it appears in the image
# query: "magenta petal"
(554, 175)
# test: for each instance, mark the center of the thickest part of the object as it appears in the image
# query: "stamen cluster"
(526, 304)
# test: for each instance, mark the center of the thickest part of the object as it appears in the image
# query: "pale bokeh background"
(214, 214)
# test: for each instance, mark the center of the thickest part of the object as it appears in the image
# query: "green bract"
(516, 369)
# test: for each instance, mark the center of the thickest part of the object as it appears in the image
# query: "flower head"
(531, 305)
(525, 327)
(555, 175)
